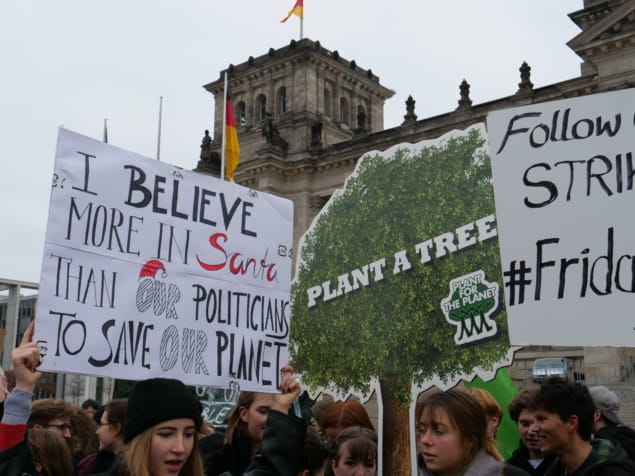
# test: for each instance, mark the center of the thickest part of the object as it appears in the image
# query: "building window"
(344, 111)
(282, 100)
(241, 114)
(261, 107)
(327, 102)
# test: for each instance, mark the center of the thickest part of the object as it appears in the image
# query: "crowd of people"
(565, 429)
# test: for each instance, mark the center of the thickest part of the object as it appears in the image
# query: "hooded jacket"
(623, 436)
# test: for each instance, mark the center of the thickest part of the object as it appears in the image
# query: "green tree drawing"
(471, 317)
(394, 329)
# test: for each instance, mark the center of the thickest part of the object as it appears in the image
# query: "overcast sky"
(74, 63)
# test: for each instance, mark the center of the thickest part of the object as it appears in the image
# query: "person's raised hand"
(289, 387)
(25, 359)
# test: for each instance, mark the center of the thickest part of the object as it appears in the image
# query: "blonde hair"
(136, 457)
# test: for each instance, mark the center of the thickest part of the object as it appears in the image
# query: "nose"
(424, 438)
(359, 470)
(534, 427)
(179, 444)
(66, 432)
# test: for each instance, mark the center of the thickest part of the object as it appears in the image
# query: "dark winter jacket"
(17, 460)
(282, 447)
(233, 457)
(623, 436)
(605, 459)
(96, 463)
(520, 459)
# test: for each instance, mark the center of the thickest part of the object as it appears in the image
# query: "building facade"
(305, 115)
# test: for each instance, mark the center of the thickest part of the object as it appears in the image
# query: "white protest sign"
(563, 181)
(150, 270)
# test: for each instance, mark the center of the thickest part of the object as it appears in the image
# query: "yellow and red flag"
(232, 149)
(297, 9)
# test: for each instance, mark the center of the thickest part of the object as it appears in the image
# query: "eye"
(189, 433)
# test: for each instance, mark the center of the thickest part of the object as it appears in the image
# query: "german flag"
(297, 9)
(232, 149)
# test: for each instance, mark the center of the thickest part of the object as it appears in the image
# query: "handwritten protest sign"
(563, 182)
(150, 270)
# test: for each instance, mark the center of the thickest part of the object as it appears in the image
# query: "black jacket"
(17, 460)
(231, 457)
(520, 459)
(282, 447)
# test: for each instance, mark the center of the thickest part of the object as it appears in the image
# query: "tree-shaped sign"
(377, 263)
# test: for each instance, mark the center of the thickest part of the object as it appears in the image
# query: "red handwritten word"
(238, 263)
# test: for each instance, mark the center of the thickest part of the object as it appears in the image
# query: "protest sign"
(397, 285)
(563, 181)
(150, 270)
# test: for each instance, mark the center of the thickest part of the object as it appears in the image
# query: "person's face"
(441, 444)
(554, 434)
(108, 434)
(345, 465)
(256, 416)
(90, 412)
(528, 432)
(171, 445)
(61, 425)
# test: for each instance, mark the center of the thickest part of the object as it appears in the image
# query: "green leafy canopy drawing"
(393, 329)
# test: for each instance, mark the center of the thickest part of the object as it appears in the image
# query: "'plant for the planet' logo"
(470, 305)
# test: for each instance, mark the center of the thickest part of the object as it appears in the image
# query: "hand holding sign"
(290, 388)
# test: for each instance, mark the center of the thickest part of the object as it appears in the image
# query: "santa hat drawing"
(150, 269)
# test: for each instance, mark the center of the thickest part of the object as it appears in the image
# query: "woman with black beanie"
(161, 431)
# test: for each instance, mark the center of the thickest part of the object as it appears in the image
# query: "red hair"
(344, 414)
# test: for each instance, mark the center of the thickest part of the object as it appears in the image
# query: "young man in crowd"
(606, 423)
(52, 414)
(528, 455)
(563, 418)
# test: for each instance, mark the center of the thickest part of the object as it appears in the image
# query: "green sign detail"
(470, 307)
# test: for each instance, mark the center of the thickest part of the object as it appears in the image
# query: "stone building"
(305, 115)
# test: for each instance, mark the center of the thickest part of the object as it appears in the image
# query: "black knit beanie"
(157, 400)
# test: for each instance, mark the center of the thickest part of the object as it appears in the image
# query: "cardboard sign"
(563, 182)
(150, 270)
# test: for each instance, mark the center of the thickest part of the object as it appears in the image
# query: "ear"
(304, 473)
(333, 465)
(572, 423)
(243, 412)
(118, 428)
(37, 426)
(597, 414)
(493, 423)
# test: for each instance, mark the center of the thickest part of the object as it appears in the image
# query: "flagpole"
(159, 133)
(301, 25)
(224, 125)
(106, 130)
